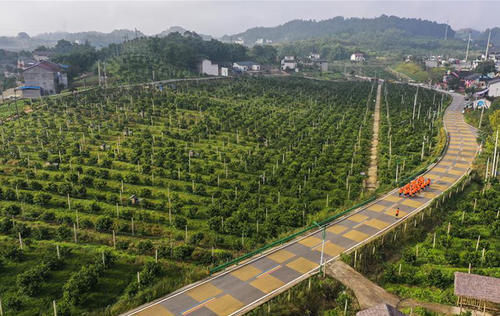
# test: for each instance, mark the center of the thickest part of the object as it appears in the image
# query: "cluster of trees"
(304, 29)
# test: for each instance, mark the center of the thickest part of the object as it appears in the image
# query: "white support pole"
(55, 307)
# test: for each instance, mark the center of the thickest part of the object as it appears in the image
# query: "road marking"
(198, 306)
(266, 283)
(356, 235)
(281, 256)
(224, 305)
(246, 273)
(302, 265)
(204, 291)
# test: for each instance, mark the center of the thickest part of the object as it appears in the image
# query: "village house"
(288, 63)
(494, 88)
(380, 310)
(243, 66)
(357, 57)
(49, 77)
(206, 67)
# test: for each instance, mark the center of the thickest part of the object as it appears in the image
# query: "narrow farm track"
(242, 288)
(371, 183)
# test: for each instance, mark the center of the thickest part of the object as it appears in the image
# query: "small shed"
(380, 310)
(477, 291)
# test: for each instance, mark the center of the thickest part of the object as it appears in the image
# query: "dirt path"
(370, 294)
(371, 183)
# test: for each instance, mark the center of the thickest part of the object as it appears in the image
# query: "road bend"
(243, 287)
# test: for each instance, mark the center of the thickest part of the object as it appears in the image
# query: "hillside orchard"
(110, 198)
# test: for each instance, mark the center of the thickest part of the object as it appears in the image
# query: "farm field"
(144, 184)
(411, 134)
(194, 174)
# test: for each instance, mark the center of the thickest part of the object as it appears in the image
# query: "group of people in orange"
(414, 187)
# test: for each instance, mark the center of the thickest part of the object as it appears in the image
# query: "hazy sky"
(225, 17)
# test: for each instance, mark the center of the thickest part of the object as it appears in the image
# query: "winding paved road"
(241, 288)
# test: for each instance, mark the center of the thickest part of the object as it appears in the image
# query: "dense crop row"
(409, 130)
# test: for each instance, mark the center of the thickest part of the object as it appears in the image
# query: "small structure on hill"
(288, 63)
(494, 88)
(358, 57)
(477, 292)
(243, 66)
(50, 77)
(208, 68)
(380, 310)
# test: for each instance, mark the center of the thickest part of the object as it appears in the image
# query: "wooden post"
(477, 243)
(74, 233)
(186, 233)
(58, 252)
(434, 241)
(156, 255)
(20, 241)
(139, 278)
(449, 227)
(482, 255)
(470, 266)
(55, 307)
(1, 309)
(345, 308)
(355, 257)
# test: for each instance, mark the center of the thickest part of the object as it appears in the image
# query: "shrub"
(104, 224)
(145, 247)
(180, 222)
(183, 252)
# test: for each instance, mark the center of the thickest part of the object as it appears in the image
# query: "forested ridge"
(305, 29)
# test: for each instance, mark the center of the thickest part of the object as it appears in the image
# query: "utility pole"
(467, 51)
(487, 46)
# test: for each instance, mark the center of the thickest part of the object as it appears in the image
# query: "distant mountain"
(307, 29)
(181, 30)
(96, 39)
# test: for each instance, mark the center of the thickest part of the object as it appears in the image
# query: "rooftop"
(47, 65)
(477, 286)
(246, 63)
(380, 310)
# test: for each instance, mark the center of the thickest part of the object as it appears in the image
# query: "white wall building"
(207, 68)
(494, 88)
(246, 66)
(357, 57)
(288, 63)
(224, 71)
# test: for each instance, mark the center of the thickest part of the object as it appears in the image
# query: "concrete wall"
(37, 76)
(207, 68)
(494, 90)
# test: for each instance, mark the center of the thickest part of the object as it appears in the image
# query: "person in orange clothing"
(397, 212)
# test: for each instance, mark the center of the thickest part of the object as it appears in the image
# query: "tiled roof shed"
(380, 310)
(478, 287)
